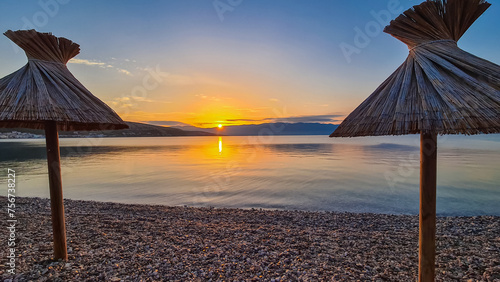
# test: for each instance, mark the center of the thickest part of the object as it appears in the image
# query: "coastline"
(113, 242)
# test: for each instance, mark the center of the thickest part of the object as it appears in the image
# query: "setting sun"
(220, 125)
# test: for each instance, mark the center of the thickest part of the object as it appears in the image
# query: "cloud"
(166, 123)
(144, 99)
(124, 71)
(273, 100)
(212, 98)
(98, 64)
(203, 124)
(170, 78)
(245, 119)
(86, 62)
(294, 119)
(132, 101)
(122, 102)
(311, 118)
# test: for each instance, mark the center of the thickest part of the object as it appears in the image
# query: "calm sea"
(370, 174)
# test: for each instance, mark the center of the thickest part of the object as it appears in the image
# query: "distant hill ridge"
(276, 128)
(280, 128)
(147, 130)
(135, 130)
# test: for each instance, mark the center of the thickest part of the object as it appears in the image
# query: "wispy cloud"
(86, 62)
(144, 99)
(167, 123)
(212, 98)
(122, 102)
(124, 71)
(100, 64)
(294, 119)
(131, 101)
(245, 120)
(311, 118)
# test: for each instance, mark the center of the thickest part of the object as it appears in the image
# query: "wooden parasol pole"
(427, 219)
(56, 195)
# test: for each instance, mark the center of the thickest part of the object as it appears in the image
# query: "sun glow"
(220, 125)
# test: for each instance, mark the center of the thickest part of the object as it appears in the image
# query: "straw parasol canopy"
(45, 95)
(439, 89)
(44, 89)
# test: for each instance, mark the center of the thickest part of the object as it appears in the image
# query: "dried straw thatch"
(439, 88)
(45, 90)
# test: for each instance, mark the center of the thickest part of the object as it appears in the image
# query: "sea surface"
(315, 173)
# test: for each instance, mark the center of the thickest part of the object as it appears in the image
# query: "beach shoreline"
(114, 242)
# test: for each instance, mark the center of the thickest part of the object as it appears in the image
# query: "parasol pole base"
(56, 195)
(427, 215)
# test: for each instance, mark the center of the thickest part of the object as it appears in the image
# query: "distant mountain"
(148, 130)
(279, 128)
(135, 130)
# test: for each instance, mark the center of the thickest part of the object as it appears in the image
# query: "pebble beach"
(119, 242)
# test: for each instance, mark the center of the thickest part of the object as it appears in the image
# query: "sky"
(230, 62)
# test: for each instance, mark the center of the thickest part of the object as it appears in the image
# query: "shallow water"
(372, 174)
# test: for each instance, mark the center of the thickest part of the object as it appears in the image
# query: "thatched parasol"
(45, 95)
(439, 89)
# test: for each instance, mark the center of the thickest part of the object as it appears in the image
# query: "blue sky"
(249, 61)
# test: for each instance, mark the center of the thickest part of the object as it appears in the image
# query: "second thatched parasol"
(439, 89)
(45, 95)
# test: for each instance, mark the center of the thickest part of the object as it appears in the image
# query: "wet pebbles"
(116, 242)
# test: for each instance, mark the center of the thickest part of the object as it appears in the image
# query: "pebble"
(118, 242)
